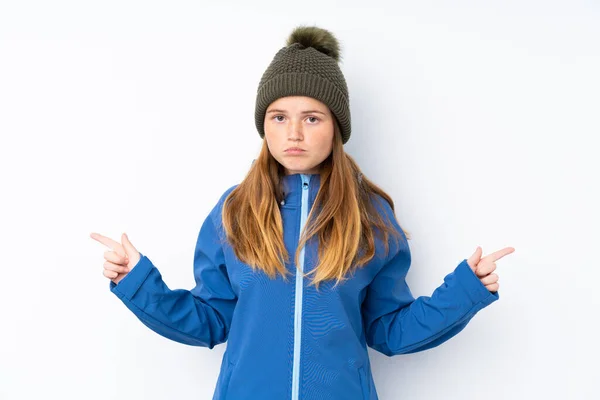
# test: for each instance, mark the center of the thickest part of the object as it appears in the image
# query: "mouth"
(294, 150)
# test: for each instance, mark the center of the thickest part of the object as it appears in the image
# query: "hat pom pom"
(318, 38)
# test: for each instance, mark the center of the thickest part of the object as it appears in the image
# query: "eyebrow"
(303, 112)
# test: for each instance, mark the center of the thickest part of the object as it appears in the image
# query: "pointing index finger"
(108, 242)
(495, 256)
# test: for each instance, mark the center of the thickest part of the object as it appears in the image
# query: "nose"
(295, 131)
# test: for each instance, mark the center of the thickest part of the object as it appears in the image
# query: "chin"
(297, 168)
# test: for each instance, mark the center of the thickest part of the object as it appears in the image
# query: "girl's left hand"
(121, 259)
(484, 266)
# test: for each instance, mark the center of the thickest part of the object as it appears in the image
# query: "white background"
(480, 119)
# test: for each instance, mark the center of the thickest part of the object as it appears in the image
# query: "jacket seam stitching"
(137, 286)
(438, 334)
(155, 320)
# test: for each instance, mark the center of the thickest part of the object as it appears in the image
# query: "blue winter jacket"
(286, 340)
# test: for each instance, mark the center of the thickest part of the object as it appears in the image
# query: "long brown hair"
(343, 223)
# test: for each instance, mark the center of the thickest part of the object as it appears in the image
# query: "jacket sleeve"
(197, 317)
(397, 323)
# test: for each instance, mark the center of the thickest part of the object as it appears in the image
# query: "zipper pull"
(305, 180)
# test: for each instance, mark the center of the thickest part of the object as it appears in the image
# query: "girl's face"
(303, 122)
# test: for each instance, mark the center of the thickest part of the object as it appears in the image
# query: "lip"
(294, 150)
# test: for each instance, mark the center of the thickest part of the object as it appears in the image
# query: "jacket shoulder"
(226, 193)
(389, 215)
(217, 210)
(382, 206)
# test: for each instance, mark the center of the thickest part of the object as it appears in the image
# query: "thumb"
(129, 249)
(474, 259)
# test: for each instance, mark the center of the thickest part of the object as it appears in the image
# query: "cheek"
(269, 145)
(271, 141)
(326, 143)
(272, 144)
(268, 134)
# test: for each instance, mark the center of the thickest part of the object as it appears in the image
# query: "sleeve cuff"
(472, 285)
(129, 285)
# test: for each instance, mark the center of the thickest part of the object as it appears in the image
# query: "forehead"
(298, 102)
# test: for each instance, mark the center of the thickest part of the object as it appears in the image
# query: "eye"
(283, 116)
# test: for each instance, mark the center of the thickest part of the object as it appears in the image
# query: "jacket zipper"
(299, 289)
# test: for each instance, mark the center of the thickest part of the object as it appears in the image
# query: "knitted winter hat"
(306, 66)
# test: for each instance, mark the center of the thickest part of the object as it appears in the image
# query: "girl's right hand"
(120, 260)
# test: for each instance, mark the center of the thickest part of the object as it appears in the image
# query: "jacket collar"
(292, 189)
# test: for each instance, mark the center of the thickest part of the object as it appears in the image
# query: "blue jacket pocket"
(364, 383)
(226, 372)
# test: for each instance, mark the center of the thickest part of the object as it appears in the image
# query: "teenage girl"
(303, 264)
